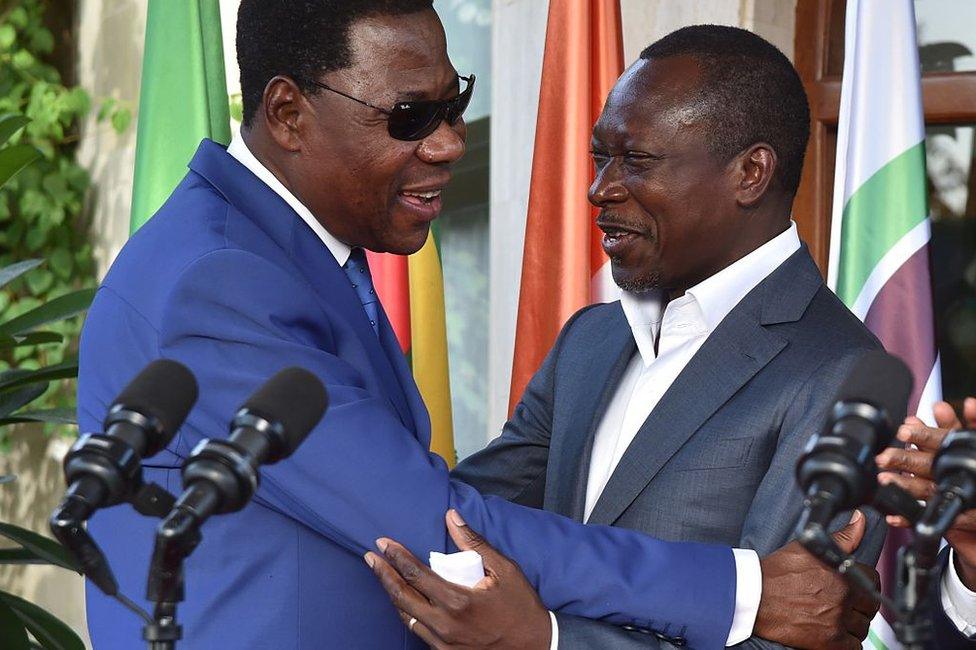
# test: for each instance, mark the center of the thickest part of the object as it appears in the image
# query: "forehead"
(653, 96)
(410, 48)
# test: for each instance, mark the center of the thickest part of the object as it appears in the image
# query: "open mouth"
(617, 238)
(421, 198)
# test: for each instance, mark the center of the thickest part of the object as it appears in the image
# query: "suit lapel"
(253, 198)
(731, 356)
(738, 349)
(415, 402)
(331, 283)
(566, 492)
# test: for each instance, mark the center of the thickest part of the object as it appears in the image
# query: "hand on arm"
(804, 604)
(502, 611)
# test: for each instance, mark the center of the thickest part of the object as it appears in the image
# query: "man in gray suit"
(681, 410)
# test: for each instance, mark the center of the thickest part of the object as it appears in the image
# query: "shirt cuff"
(748, 593)
(554, 644)
(958, 601)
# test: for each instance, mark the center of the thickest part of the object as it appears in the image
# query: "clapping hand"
(911, 469)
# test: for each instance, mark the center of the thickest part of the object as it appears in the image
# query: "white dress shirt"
(958, 601)
(238, 149)
(682, 327)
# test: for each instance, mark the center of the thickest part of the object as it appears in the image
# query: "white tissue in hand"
(464, 568)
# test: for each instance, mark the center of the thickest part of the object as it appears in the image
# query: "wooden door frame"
(947, 98)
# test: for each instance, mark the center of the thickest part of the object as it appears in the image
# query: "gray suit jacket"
(714, 461)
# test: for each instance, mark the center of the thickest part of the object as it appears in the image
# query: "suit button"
(677, 641)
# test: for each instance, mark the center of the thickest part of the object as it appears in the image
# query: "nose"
(444, 145)
(606, 188)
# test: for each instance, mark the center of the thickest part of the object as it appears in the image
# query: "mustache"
(612, 221)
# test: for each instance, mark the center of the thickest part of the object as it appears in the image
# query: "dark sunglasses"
(416, 120)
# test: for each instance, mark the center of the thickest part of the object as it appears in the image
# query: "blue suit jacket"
(228, 280)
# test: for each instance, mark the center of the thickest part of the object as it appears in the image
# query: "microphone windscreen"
(165, 390)
(881, 380)
(293, 398)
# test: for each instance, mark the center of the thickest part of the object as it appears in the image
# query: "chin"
(408, 243)
(635, 281)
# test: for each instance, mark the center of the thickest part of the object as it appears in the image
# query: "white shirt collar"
(711, 300)
(238, 149)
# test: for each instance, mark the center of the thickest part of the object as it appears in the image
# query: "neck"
(263, 148)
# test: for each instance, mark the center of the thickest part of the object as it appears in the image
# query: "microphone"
(104, 470)
(954, 472)
(221, 476)
(836, 470)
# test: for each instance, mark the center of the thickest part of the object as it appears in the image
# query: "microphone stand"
(176, 538)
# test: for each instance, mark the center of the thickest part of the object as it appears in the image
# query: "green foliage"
(236, 104)
(42, 208)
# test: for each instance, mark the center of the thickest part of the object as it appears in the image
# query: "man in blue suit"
(352, 119)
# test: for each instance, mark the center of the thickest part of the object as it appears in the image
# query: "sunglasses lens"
(415, 120)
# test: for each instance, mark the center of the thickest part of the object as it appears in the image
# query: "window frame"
(947, 98)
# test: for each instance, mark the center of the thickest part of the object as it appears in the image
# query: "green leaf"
(18, 17)
(42, 41)
(12, 630)
(33, 338)
(7, 36)
(106, 109)
(15, 158)
(48, 630)
(44, 547)
(49, 416)
(20, 556)
(20, 377)
(121, 120)
(10, 123)
(9, 273)
(12, 400)
(40, 280)
(61, 263)
(58, 309)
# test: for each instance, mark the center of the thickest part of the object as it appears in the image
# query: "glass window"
(463, 228)
(946, 35)
(952, 204)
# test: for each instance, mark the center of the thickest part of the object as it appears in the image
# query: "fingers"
(896, 521)
(911, 461)
(403, 596)
(925, 438)
(857, 624)
(969, 412)
(425, 633)
(945, 416)
(849, 537)
(920, 488)
(415, 574)
(469, 540)
(861, 601)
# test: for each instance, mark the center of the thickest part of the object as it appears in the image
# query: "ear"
(755, 168)
(284, 106)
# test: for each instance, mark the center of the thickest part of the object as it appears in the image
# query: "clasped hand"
(804, 604)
